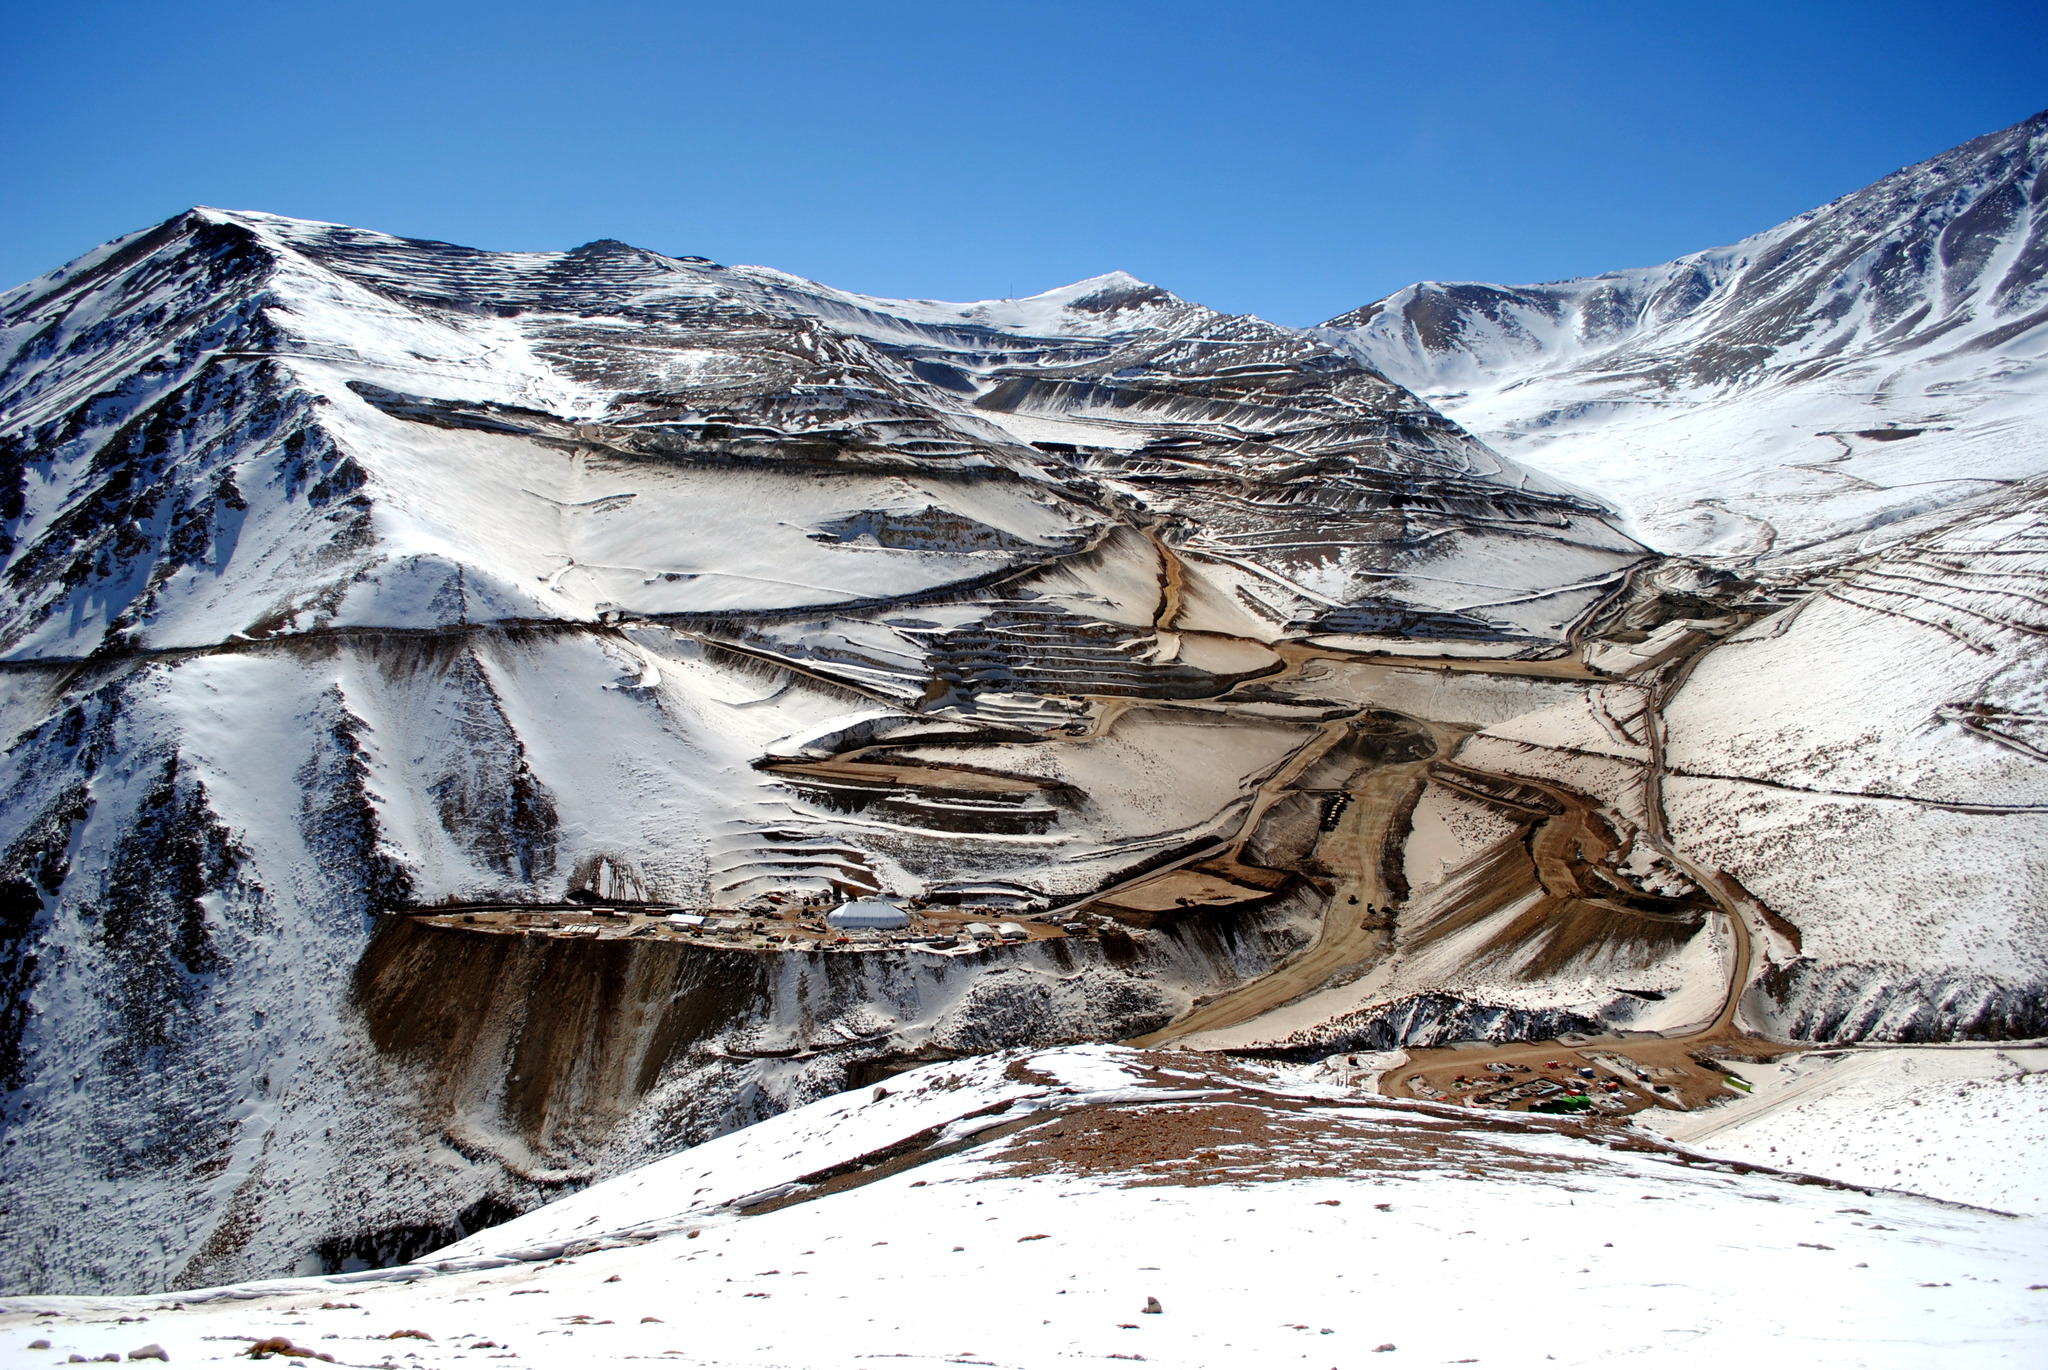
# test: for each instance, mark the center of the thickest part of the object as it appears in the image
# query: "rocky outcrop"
(1809, 1002)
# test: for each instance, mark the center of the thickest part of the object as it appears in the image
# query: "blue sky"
(1291, 160)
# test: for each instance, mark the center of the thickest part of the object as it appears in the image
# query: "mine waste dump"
(479, 725)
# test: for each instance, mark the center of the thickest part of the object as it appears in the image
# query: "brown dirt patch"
(1184, 888)
(924, 776)
(1248, 1139)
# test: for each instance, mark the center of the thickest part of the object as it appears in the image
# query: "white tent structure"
(867, 913)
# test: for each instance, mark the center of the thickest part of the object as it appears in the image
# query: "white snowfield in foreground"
(1963, 1123)
(1057, 1192)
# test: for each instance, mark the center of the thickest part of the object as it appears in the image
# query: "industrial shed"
(868, 913)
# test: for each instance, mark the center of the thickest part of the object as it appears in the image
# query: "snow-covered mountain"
(349, 582)
(346, 574)
(1098, 1203)
(239, 427)
(1852, 405)
(1783, 397)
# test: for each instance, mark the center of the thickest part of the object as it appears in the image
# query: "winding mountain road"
(1351, 939)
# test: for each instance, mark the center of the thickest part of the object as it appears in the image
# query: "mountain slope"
(1162, 1207)
(345, 575)
(380, 415)
(353, 586)
(1782, 397)
(1854, 403)
(1870, 764)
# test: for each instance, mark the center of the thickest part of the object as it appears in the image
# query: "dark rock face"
(565, 1036)
(149, 921)
(37, 863)
(562, 1036)
(485, 793)
(406, 1242)
(338, 819)
(1809, 1002)
(153, 926)
(552, 1062)
(21, 926)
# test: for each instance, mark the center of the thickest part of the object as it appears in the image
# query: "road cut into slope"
(1352, 931)
(1536, 903)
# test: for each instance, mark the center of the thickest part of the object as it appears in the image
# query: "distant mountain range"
(1782, 397)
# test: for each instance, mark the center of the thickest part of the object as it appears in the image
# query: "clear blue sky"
(1288, 159)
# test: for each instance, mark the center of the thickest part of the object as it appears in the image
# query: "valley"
(446, 696)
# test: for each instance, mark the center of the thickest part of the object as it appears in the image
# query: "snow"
(1511, 1247)
(1465, 698)
(1967, 1123)
(1737, 402)
(1156, 778)
(1862, 763)
(1447, 831)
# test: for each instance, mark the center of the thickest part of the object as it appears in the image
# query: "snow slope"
(1785, 397)
(1869, 764)
(1039, 1202)
(1961, 1123)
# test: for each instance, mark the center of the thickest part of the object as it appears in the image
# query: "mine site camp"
(1284, 802)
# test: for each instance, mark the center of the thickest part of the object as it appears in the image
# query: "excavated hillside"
(394, 635)
(1847, 409)
(346, 576)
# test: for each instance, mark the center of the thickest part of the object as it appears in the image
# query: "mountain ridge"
(1898, 306)
(370, 608)
(465, 320)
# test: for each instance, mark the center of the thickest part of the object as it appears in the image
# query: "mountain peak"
(1881, 309)
(371, 606)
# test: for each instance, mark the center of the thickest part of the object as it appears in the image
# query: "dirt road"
(1349, 937)
(1673, 1050)
(1351, 940)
